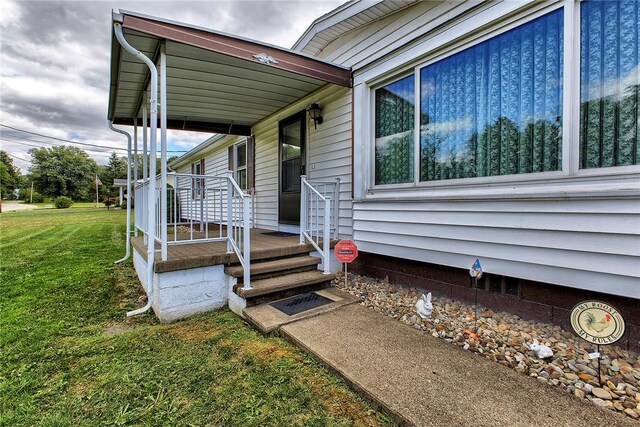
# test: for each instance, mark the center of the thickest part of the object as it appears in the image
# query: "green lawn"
(69, 356)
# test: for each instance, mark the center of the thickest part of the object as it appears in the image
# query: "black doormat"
(300, 303)
(279, 234)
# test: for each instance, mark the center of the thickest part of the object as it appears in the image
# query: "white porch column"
(121, 188)
(145, 225)
(132, 195)
(163, 149)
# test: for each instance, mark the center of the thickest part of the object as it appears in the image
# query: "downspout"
(151, 213)
(128, 253)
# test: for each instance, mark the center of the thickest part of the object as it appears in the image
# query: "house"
(430, 133)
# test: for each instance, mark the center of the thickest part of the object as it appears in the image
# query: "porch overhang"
(216, 83)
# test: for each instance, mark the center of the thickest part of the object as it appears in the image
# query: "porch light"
(314, 112)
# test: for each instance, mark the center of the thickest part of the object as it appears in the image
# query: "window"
(495, 108)
(394, 121)
(609, 83)
(197, 183)
(241, 164)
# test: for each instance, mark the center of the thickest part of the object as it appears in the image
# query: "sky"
(54, 63)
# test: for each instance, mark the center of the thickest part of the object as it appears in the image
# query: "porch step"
(274, 267)
(277, 285)
(267, 318)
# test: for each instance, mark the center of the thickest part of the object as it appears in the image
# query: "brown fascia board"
(192, 126)
(242, 49)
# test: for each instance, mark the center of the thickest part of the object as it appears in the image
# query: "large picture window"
(394, 130)
(609, 83)
(495, 108)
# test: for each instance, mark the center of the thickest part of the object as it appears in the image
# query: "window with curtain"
(394, 131)
(495, 108)
(609, 82)
(241, 165)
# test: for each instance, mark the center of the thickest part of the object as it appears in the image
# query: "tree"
(115, 169)
(62, 171)
(10, 177)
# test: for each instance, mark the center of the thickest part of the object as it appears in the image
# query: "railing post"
(303, 207)
(229, 211)
(247, 242)
(326, 241)
(336, 208)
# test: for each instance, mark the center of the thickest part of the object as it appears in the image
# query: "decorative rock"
(570, 376)
(633, 414)
(599, 402)
(601, 393)
(578, 393)
(586, 369)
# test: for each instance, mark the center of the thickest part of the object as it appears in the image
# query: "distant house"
(449, 131)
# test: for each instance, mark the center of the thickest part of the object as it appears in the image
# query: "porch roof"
(216, 82)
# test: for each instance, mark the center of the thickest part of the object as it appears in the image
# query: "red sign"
(345, 251)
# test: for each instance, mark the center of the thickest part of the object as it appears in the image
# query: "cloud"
(55, 59)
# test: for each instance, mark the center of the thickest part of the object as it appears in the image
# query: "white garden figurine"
(424, 306)
(541, 350)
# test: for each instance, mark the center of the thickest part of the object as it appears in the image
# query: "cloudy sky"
(54, 63)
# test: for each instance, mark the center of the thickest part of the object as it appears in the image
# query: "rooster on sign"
(597, 326)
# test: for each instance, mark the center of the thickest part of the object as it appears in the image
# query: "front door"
(292, 148)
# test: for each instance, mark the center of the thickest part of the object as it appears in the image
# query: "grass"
(70, 358)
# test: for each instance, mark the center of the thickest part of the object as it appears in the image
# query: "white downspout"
(128, 253)
(151, 225)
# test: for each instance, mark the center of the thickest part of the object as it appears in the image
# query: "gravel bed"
(503, 338)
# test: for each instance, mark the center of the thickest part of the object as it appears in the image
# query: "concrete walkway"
(13, 206)
(425, 381)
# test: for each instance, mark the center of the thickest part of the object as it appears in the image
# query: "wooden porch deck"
(193, 255)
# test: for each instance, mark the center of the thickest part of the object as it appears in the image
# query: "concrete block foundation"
(183, 293)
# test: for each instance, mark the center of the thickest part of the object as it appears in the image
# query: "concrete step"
(273, 267)
(267, 319)
(276, 285)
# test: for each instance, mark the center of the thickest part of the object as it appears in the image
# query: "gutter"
(151, 189)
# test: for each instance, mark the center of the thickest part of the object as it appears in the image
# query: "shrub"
(63, 202)
(35, 198)
(123, 205)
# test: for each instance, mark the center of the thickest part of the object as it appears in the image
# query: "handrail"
(203, 208)
(316, 213)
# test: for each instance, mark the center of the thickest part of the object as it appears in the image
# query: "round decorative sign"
(597, 322)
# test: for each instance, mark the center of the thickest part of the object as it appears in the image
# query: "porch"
(265, 244)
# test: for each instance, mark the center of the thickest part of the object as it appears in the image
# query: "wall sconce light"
(314, 112)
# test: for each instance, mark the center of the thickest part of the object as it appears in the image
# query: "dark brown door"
(292, 148)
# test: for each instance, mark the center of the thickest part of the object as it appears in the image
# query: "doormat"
(300, 303)
(279, 234)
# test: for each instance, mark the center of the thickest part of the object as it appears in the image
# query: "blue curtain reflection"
(495, 108)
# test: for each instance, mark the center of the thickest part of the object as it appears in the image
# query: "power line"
(76, 142)
(51, 143)
(18, 158)
(38, 146)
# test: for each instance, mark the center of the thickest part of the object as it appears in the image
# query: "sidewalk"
(425, 381)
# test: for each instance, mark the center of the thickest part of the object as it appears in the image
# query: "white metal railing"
(319, 216)
(199, 209)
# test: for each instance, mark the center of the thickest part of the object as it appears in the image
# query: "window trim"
(237, 168)
(569, 168)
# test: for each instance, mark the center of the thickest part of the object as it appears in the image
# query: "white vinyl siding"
(328, 154)
(586, 244)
